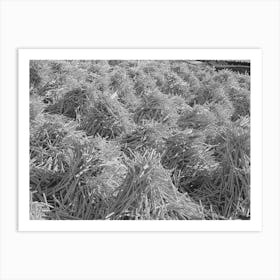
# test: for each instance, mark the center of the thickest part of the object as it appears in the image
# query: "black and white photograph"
(139, 139)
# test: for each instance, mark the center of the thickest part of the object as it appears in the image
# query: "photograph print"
(139, 139)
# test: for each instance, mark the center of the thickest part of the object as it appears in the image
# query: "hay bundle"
(110, 164)
(224, 77)
(228, 189)
(150, 135)
(243, 81)
(121, 84)
(106, 117)
(71, 197)
(57, 155)
(180, 104)
(193, 81)
(147, 193)
(198, 117)
(180, 67)
(175, 85)
(142, 81)
(215, 98)
(189, 157)
(38, 210)
(119, 80)
(157, 107)
(53, 141)
(240, 99)
(211, 92)
(94, 180)
(72, 102)
(222, 112)
(85, 190)
(46, 142)
(42, 179)
(156, 70)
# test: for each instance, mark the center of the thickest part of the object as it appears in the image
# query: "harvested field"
(139, 140)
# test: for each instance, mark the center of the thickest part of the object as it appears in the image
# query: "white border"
(254, 55)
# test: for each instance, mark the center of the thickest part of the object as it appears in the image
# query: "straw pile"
(71, 103)
(106, 117)
(175, 85)
(150, 135)
(142, 81)
(197, 117)
(122, 86)
(157, 107)
(47, 148)
(148, 193)
(240, 99)
(189, 157)
(227, 191)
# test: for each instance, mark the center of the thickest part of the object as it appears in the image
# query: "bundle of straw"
(240, 99)
(123, 87)
(148, 193)
(76, 99)
(112, 169)
(71, 196)
(175, 85)
(150, 135)
(189, 157)
(142, 81)
(229, 187)
(198, 117)
(47, 149)
(157, 107)
(106, 117)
